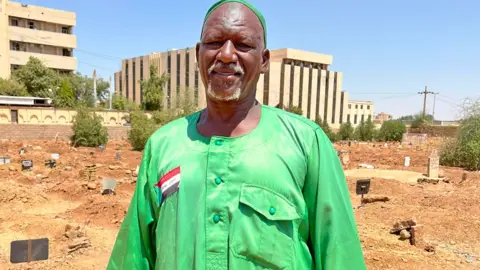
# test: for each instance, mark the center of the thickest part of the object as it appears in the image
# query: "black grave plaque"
(363, 186)
(29, 250)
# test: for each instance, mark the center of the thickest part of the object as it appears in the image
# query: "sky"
(387, 50)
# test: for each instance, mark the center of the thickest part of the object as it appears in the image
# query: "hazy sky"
(388, 50)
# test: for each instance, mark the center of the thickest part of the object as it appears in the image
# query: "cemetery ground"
(65, 205)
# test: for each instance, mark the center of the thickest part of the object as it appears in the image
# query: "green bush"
(88, 130)
(464, 150)
(365, 131)
(141, 129)
(346, 131)
(391, 130)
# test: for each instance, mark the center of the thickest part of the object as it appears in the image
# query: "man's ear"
(197, 48)
(265, 61)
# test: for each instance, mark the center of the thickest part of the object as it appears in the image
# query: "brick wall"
(436, 131)
(46, 132)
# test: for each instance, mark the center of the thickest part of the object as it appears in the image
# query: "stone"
(428, 180)
(134, 173)
(11, 168)
(416, 237)
(39, 177)
(433, 164)
(128, 172)
(37, 148)
(372, 199)
(68, 168)
(403, 225)
(113, 167)
(429, 248)
(92, 185)
(404, 235)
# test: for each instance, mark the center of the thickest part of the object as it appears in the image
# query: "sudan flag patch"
(168, 183)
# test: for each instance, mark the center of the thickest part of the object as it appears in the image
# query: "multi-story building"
(295, 77)
(45, 33)
(359, 111)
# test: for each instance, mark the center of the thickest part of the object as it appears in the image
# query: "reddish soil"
(37, 206)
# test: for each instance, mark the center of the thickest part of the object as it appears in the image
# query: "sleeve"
(135, 244)
(333, 236)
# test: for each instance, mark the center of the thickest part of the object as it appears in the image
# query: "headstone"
(433, 164)
(407, 161)
(27, 164)
(52, 163)
(22, 151)
(362, 188)
(29, 250)
(4, 160)
(55, 156)
(108, 186)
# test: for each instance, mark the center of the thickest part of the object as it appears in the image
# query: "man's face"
(231, 54)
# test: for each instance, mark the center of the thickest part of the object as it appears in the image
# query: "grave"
(55, 156)
(433, 165)
(22, 151)
(52, 163)
(4, 160)
(362, 188)
(108, 186)
(90, 172)
(29, 250)
(27, 165)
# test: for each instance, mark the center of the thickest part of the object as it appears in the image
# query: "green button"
(216, 218)
(272, 210)
(218, 143)
(218, 180)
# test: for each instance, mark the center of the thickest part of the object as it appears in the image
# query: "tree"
(122, 103)
(83, 88)
(291, 108)
(10, 87)
(326, 129)
(64, 97)
(365, 131)
(39, 80)
(153, 90)
(392, 130)
(346, 131)
(142, 128)
(87, 129)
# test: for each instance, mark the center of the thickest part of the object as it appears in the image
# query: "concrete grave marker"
(433, 164)
(362, 188)
(22, 151)
(29, 250)
(4, 160)
(55, 156)
(108, 186)
(407, 162)
(27, 165)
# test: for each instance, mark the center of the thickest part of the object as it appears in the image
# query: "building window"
(369, 117)
(169, 84)
(361, 107)
(134, 82)
(14, 46)
(31, 25)
(126, 80)
(266, 86)
(14, 67)
(187, 70)
(178, 79)
(65, 30)
(14, 22)
(14, 116)
(356, 106)
(300, 89)
(368, 107)
(292, 81)
(196, 86)
(355, 119)
(348, 118)
(141, 80)
(334, 104)
(120, 83)
(363, 118)
(66, 52)
(309, 95)
(349, 106)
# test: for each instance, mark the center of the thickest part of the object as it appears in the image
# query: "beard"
(224, 89)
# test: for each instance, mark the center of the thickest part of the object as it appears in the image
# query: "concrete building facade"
(358, 111)
(295, 77)
(45, 33)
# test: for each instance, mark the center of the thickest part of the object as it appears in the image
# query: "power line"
(425, 93)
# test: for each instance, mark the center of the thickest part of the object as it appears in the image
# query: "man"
(238, 185)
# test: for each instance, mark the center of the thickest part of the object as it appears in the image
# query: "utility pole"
(94, 88)
(425, 93)
(434, 98)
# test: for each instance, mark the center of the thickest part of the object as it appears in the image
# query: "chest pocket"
(263, 228)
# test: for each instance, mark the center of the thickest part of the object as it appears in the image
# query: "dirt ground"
(61, 204)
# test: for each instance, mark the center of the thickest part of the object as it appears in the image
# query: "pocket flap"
(270, 204)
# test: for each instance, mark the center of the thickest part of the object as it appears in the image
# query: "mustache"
(236, 68)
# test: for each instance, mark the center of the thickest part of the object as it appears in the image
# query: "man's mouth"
(228, 71)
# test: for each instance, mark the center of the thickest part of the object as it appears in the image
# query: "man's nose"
(228, 53)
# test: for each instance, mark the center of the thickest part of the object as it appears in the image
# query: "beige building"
(358, 111)
(295, 77)
(45, 33)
